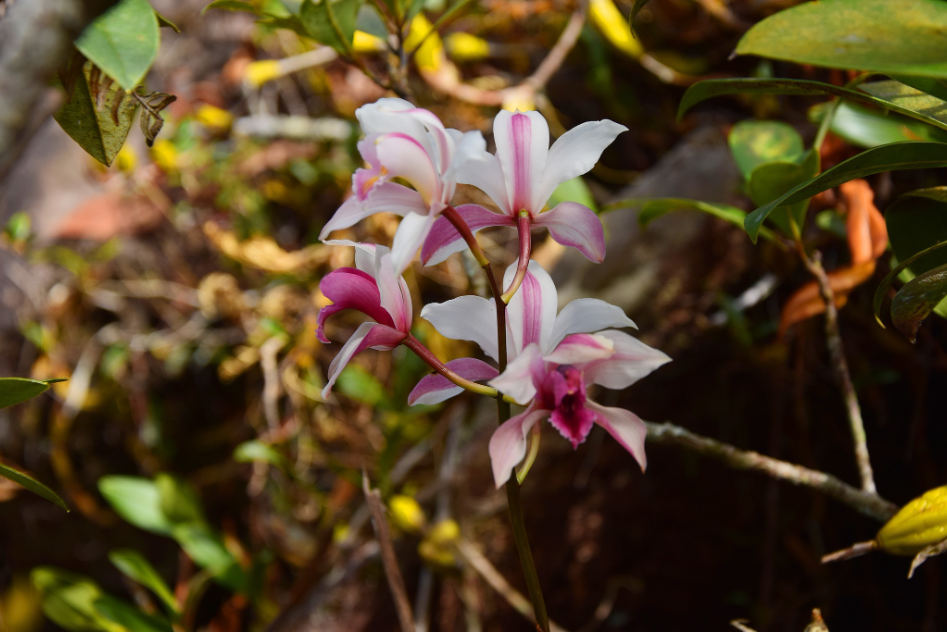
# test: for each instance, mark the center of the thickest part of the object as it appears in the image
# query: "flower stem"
(425, 354)
(526, 246)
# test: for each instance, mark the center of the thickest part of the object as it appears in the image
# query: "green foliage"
(123, 42)
(331, 22)
(15, 390)
(574, 190)
(908, 98)
(257, 451)
(135, 566)
(866, 128)
(230, 5)
(755, 143)
(887, 36)
(653, 208)
(32, 484)
(916, 221)
(361, 385)
(892, 157)
(137, 500)
(97, 115)
(771, 180)
(915, 301)
(178, 500)
(898, 270)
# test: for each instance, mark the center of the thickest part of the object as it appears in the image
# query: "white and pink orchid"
(521, 178)
(375, 289)
(553, 358)
(403, 141)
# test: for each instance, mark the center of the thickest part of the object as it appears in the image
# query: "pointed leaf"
(230, 5)
(887, 36)
(137, 501)
(893, 157)
(123, 42)
(934, 87)
(895, 272)
(907, 97)
(164, 22)
(136, 566)
(14, 390)
(32, 484)
(917, 221)
(754, 143)
(69, 599)
(128, 617)
(915, 301)
(864, 127)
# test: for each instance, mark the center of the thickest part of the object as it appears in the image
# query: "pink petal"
(522, 140)
(631, 361)
(405, 157)
(466, 318)
(393, 292)
(349, 288)
(581, 348)
(367, 335)
(565, 393)
(411, 233)
(572, 224)
(625, 426)
(575, 153)
(435, 388)
(483, 171)
(394, 115)
(523, 376)
(586, 315)
(531, 313)
(384, 197)
(508, 443)
(444, 240)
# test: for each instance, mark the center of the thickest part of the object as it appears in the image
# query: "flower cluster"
(547, 360)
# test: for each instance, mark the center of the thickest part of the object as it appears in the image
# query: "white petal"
(483, 171)
(466, 318)
(410, 235)
(625, 426)
(522, 140)
(508, 443)
(469, 146)
(581, 349)
(522, 376)
(575, 153)
(631, 361)
(587, 315)
(531, 313)
(394, 294)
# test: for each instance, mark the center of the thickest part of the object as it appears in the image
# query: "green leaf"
(230, 5)
(704, 90)
(179, 501)
(869, 128)
(14, 390)
(934, 87)
(361, 385)
(896, 271)
(251, 451)
(653, 208)
(291, 23)
(893, 157)
(331, 22)
(917, 221)
(69, 599)
(887, 36)
(137, 501)
(908, 97)
(206, 548)
(123, 42)
(754, 143)
(574, 190)
(771, 180)
(915, 301)
(128, 617)
(99, 125)
(136, 566)
(164, 22)
(32, 484)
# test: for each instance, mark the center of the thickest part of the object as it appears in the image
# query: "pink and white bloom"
(522, 176)
(403, 141)
(375, 289)
(553, 359)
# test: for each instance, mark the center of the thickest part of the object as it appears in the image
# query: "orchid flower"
(554, 358)
(375, 289)
(410, 143)
(520, 179)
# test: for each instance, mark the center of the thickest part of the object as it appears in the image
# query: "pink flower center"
(564, 394)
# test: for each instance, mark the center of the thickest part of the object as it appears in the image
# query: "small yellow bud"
(367, 43)
(608, 19)
(260, 72)
(918, 524)
(467, 47)
(430, 54)
(438, 547)
(126, 160)
(165, 155)
(407, 514)
(214, 118)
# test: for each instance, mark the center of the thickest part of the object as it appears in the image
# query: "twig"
(271, 382)
(868, 503)
(392, 572)
(840, 365)
(293, 127)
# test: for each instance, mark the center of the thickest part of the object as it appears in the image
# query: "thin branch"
(840, 365)
(868, 503)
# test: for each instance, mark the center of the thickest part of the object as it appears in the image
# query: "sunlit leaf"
(137, 501)
(137, 567)
(123, 42)
(915, 301)
(206, 548)
(934, 87)
(574, 190)
(893, 157)
(14, 390)
(908, 97)
(888, 36)
(32, 484)
(866, 128)
(754, 143)
(771, 180)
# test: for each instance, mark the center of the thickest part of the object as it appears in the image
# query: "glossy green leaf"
(253, 451)
(917, 221)
(907, 97)
(893, 157)
(897, 271)
(32, 484)
(574, 190)
(331, 22)
(128, 617)
(136, 566)
(179, 501)
(754, 143)
(230, 5)
(888, 36)
(15, 390)
(100, 126)
(704, 90)
(69, 600)
(771, 180)
(137, 501)
(934, 87)
(653, 208)
(123, 42)
(866, 128)
(915, 301)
